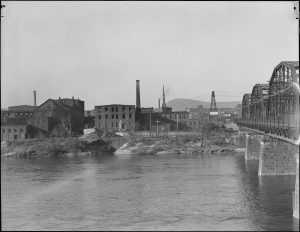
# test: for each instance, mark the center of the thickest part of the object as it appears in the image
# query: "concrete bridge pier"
(253, 146)
(240, 139)
(296, 192)
(277, 157)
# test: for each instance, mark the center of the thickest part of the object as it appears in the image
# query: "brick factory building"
(22, 111)
(53, 112)
(14, 129)
(168, 120)
(115, 116)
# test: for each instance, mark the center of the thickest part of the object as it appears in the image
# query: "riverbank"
(217, 141)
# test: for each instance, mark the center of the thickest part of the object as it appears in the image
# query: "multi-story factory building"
(115, 117)
(54, 112)
(22, 111)
(14, 129)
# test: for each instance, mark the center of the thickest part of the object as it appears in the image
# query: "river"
(144, 192)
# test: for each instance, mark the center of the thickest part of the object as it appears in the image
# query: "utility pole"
(157, 127)
(150, 123)
(177, 121)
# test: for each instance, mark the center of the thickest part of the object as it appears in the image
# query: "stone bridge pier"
(253, 146)
(296, 192)
(275, 157)
(240, 139)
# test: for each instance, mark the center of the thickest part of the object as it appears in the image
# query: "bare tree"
(67, 124)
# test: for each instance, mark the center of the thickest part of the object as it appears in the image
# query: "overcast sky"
(95, 51)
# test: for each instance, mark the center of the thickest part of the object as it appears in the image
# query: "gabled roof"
(59, 104)
(43, 103)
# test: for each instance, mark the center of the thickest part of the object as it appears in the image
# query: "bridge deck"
(291, 141)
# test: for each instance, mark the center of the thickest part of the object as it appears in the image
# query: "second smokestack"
(138, 99)
(34, 97)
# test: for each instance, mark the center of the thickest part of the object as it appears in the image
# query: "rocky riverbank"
(176, 146)
(96, 144)
(56, 147)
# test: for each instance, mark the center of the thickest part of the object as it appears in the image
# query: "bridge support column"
(253, 146)
(241, 140)
(296, 193)
(277, 158)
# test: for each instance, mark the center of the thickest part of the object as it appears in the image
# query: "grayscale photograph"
(150, 115)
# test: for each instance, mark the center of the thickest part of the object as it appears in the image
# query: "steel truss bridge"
(273, 108)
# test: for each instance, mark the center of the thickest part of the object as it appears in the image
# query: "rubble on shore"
(97, 143)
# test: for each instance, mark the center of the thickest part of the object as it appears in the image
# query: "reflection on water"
(167, 192)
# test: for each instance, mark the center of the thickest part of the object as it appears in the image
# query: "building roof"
(22, 108)
(59, 104)
(14, 122)
(114, 105)
(172, 112)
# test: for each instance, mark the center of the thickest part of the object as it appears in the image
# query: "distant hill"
(182, 104)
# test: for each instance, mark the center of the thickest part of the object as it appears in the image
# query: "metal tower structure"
(213, 111)
(213, 106)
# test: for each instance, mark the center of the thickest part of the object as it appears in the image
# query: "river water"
(144, 192)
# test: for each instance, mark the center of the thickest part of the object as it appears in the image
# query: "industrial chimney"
(34, 97)
(158, 103)
(138, 99)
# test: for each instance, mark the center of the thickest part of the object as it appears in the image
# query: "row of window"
(113, 124)
(174, 116)
(114, 116)
(9, 130)
(17, 114)
(115, 109)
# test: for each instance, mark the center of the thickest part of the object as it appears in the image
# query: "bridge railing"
(287, 126)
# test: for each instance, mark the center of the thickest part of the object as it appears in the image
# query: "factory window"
(116, 124)
(123, 116)
(106, 116)
(15, 136)
(112, 109)
(112, 116)
(112, 124)
(99, 117)
(117, 108)
(3, 130)
(9, 130)
(123, 108)
(105, 108)
(117, 116)
(15, 130)
(129, 115)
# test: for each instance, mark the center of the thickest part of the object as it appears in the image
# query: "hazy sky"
(95, 51)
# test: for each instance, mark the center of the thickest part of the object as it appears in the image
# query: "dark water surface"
(166, 192)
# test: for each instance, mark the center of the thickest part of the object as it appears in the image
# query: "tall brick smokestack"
(158, 103)
(138, 99)
(34, 97)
